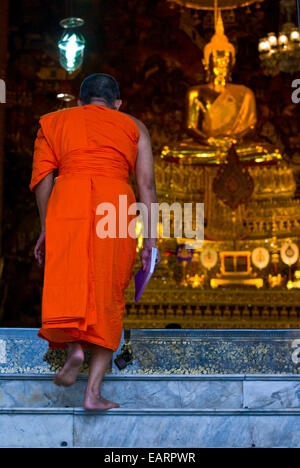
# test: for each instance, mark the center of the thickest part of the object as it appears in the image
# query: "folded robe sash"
(69, 283)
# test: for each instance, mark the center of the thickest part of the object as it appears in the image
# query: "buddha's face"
(220, 67)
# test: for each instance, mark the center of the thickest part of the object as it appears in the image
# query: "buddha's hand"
(147, 251)
(39, 250)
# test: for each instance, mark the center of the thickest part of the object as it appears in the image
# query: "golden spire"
(219, 27)
(219, 41)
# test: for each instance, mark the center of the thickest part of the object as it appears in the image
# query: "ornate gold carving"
(233, 184)
(209, 4)
(219, 114)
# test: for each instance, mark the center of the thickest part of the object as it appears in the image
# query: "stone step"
(184, 389)
(149, 428)
(184, 352)
(214, 392)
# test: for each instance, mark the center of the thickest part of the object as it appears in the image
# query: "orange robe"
(85, 276)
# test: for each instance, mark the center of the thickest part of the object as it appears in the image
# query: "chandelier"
(282, 53)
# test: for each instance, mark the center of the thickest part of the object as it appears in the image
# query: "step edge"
(162, 377)
(168, 332)
(152, 412)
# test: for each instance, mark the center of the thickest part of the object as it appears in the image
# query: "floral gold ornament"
(289, 253)
(196, 281)
(209, 258)
(275, 281)
(260, 257)
(293, 284)
(233, 183)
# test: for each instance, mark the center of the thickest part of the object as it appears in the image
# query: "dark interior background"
(141, 43)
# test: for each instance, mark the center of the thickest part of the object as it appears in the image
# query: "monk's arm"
(42, 193)
(145, 179)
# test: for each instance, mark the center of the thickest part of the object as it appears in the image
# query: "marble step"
(211, 392)
(186, 352)
(185, 388)
(149, 428)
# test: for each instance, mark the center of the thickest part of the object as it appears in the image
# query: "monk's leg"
(68, 375)
(100, 359)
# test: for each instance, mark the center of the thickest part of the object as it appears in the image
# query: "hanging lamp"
(71, 44)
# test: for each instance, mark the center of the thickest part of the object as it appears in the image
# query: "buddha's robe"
(232, 113)
(85, 276)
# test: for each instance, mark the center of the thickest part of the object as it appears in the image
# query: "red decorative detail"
(233, 183)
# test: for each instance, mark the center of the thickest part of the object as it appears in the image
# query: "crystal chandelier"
(71, 45)
(281, 53)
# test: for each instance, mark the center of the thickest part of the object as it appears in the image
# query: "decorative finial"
(219, 41)
(219, 27)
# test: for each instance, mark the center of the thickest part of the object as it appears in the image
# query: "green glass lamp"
(71, 45)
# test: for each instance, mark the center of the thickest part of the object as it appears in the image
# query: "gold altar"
(246, 274)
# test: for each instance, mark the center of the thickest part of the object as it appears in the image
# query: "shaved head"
(101, 86)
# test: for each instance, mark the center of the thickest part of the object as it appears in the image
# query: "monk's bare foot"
(98, 403)
(68, 375)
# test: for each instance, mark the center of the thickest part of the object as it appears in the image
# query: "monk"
(93, 147)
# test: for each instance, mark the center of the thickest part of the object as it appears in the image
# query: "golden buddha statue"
(215, 289)
(220, 113)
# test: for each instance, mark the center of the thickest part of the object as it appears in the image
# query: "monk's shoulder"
(59, 113)
(139, 124)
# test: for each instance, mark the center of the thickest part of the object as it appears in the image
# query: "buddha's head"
(219, 56)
